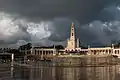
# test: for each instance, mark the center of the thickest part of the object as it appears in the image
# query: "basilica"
(72, 43)
(73, 47)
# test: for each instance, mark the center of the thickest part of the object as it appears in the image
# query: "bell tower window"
(72, 34)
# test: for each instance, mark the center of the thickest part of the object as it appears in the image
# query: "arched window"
(72, 34)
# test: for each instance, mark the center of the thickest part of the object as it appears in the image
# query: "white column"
(45, 53)
(12, 59)
(42, 55)
(113, 51)
(54, 52)
(31, 51)
(89, 51)
(108, 52)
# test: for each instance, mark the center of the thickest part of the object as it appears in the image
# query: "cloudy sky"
(47, 22)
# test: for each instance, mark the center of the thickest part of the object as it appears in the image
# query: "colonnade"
(97, 52)
(104, 51)
(116, 51)
(40, 52)
(91, 51)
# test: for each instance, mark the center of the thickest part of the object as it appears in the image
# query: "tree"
(59, 47)
(27, 46)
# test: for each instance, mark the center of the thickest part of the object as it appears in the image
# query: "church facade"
(73, 42)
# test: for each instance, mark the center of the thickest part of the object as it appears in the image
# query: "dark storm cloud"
(82, 10)
(40, 21)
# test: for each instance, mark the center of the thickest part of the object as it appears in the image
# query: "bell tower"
(72, 36)
(71, 44)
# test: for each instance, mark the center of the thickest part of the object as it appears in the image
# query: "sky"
(48, 22)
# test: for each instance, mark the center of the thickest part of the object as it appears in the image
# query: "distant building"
(73, 46)
(73, 42)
